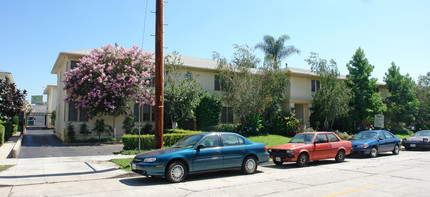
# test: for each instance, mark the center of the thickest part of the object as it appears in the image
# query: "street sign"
(379, 121)
(37, 99)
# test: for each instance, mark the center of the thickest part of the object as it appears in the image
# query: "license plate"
(278, 159)
(413, 145)
(133, 166)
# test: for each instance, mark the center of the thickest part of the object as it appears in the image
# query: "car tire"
(176, 172)
(340, 156)
(373, 152)
(303, 160)
(396, 150)
(278, 163)
(249, 165)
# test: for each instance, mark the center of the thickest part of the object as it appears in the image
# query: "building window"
(217, 83)
(146, 113)
(77, 115)
(227, 115)
(73, 64)
(73, 112)
(315, 85)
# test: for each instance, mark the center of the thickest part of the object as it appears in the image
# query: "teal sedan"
(202, 152)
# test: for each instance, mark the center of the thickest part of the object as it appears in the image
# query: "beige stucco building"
(8, 75)
(299, 94)
(51, 104)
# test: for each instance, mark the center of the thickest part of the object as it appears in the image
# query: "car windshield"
(365, 136)
(187, 142)
(303, 138)
(422, 133)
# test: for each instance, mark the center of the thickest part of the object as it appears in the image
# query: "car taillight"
(265, 148)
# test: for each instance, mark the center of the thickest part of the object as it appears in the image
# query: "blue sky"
(32, 33)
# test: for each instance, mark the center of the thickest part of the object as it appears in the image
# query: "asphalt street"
(405, 174)
(39, 143)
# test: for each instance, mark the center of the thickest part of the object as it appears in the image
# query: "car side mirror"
(200, 147)
(380, 138)
(316, 141)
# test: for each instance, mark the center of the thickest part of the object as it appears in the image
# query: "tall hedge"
(1, 134)
(208, 111)
(170, 137)
(8, 132)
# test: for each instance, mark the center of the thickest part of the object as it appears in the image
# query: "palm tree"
(275, 49)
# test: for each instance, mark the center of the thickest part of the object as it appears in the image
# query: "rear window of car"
(322, 138)
(332, 137)
(388, 135)
(231, 140)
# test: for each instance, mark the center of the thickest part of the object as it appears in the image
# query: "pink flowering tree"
(108, 79)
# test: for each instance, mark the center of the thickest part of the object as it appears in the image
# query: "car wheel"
(176, 172)
(396, 150)
(303, 160)
(249, 165)
(340, 157)
(373, 152)
(278, 163)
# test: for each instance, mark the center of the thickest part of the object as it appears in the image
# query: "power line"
(144, 24)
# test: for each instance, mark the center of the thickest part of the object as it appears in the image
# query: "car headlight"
(289, 152)
(150, 160)
(425, 140)
(363, 146)
(270, 150)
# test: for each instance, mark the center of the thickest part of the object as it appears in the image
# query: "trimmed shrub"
(170, 137)
(208, 111)
(1, 134)
(71, 132)
(343, 135)
(8, 131)
(401, 131)
(286, 125)
(252, 125)
(229, 127)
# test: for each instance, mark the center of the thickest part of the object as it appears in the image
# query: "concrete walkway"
(59, 169)
(11, 148)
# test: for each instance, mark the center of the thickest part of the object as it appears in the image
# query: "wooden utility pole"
(159, 72)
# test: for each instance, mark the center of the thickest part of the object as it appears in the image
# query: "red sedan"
(312, 146)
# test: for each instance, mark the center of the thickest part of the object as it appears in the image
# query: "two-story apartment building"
(299, 94)
(51, 105)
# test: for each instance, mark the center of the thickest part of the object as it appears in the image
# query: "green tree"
(275, 50)
(181, 91)
(245, 88)
(423, 96)
(11, 100)
(402, 104)
(208, 111)
(331, 101)
(366, 102)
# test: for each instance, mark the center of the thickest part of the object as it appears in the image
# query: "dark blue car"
(374, 142)
(201, 153)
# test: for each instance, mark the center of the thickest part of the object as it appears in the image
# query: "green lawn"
(123, 163)
(403, 136)
(4, 167)
(269, 140)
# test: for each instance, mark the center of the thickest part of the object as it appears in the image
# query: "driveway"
(39, 142)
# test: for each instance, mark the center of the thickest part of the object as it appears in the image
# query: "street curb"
(17, 147)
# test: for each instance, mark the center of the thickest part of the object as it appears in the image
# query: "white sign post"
(379, 121)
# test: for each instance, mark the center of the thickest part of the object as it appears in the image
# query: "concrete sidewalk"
(10, 149)
(60, 169)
